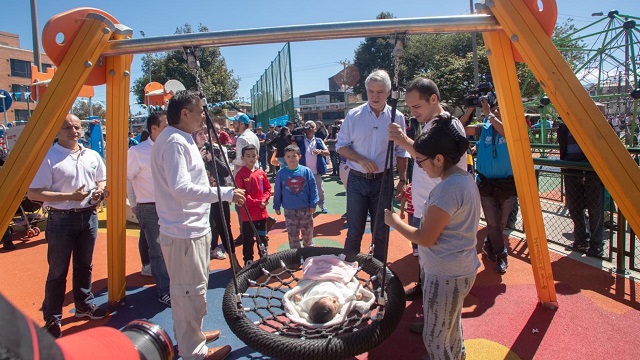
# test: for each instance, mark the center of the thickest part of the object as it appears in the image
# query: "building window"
(21, 68)
(46, 66)
(308, 117)
(20, 92)
(307, 101)
(22, 115)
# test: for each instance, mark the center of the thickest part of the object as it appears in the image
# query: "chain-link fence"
(558, 178)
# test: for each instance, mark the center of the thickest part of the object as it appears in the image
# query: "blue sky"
(313, 62)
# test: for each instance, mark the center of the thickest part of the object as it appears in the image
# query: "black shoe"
(599, 254)
(502, 264)
(488, 252)
(579, 247)
(238, 240)
(53, 327)
(414, 293)
(8, 246)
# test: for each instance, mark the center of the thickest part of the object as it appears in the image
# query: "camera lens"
(151, 341)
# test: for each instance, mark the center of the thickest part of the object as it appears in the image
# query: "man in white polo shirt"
(71, 182)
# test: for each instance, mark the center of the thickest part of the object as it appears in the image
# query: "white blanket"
(327, 275)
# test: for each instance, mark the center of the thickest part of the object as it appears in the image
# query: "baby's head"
(324, 310)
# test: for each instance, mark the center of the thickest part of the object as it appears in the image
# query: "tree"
(81, 109)
(447, 59)
(216, 79)
(373, 53)
(572, 51)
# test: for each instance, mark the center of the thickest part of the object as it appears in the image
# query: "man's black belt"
(76, 210)
(368, 176)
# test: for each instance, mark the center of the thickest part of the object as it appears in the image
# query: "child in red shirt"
(257, 192)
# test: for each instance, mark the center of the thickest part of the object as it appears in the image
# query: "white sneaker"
(218, 254)
(146, 270)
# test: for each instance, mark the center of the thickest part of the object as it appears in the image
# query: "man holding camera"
(495, 179)
(183, 209)
(363, 141)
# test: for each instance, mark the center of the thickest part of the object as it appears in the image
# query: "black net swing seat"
(263, 325)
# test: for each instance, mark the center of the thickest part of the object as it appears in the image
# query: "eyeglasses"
(419, 162)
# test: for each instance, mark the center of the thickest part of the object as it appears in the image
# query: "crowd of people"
(181, 187)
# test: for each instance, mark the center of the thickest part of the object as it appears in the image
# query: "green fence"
(272, 95)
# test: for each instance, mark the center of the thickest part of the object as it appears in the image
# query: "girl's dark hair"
(442, 138)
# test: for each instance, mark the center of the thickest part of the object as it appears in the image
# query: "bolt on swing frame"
(515, 25)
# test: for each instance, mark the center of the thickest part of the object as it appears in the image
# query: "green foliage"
(217, 80)
(81, 110)
(374, 53)
(447, 59)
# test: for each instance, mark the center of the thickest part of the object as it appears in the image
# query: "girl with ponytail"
(447, 235)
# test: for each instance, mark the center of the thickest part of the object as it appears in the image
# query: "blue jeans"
(69, 233)
(148, 220)
(496, 214)
(362, 200)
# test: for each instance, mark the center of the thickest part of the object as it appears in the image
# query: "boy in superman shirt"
(296, 192)
(257, 191)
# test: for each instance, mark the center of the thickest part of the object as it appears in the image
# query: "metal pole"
(4, 108)
(327, 31)
(35, 35)
(474, 49)
(344, 63)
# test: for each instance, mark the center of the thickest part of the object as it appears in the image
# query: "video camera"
(475, 96)
(483, 91)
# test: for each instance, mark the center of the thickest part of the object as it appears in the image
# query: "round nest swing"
(263, 325)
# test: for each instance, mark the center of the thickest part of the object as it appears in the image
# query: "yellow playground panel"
(98, 50)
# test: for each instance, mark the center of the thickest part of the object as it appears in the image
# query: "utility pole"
(35, 35)
(344, 64)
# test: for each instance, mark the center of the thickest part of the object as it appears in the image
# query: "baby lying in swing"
(327, 292)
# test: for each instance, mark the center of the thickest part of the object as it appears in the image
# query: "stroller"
(29, 215)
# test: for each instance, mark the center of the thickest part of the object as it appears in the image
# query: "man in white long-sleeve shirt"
(142, 197)
(185, 235)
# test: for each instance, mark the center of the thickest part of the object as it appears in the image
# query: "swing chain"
(191, 55)
(399, 41)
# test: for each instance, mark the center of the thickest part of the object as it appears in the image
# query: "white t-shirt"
(180, 180)
(454, 254)
(311, 161)
(422, 183)
(246, 138)
(65, 170)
